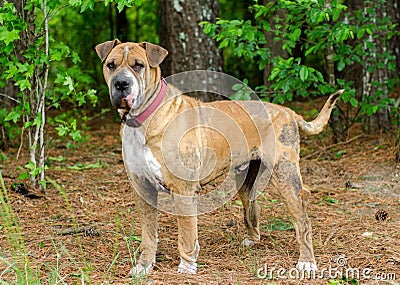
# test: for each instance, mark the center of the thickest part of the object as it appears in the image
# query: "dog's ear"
(105, 48)
(155, 54)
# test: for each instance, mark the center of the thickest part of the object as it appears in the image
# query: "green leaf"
(75, 2)
(296, 34)
(331, 200)
(275, 72)
(207, 27)
(9, 36)
(223, 44)
(30, 165)
(303, 73)
(13, 116)
(23, 176)
(354, 102)
(76, 135)
(360, 33)
(341, 65)
(62, 130)
(69, 82)
(127, 3)
(286, 86)
(391, 66)
(309, 51)
(23, 84)
(87, 4)
(12, 71)
(336, 14)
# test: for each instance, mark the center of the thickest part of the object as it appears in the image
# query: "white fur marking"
(126, 52)
(139, 160)
(187, 267)
(190, 267)
(140, 269)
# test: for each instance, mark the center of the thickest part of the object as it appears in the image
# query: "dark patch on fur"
(286, 172)
(148, 191)
(290, 136)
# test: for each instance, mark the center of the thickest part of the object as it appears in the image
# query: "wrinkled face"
(124, 71)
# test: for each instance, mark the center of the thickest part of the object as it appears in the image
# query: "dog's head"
(129, 69)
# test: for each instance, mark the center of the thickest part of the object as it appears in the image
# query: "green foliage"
(330, 200)
(89, 4)
(279, 225)
(311, 27)
(10, 226)
(43, 66)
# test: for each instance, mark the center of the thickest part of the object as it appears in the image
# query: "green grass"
(18, 269)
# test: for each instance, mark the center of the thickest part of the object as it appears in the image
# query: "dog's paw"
(248, 242)
(187, 267)
(306, 266)
(140, 269)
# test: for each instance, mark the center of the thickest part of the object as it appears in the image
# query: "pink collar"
(138, 120)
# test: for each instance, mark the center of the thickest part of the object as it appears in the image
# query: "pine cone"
(381, 215)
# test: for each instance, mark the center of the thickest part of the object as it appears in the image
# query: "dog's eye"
(111, 65)
(137, 67)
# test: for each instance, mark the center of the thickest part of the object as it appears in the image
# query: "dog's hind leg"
(251, 210)
(287, 180)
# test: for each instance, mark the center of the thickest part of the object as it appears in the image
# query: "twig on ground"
(87, 231)
(332, 145)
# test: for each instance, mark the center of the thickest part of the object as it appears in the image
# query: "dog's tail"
(317, 125)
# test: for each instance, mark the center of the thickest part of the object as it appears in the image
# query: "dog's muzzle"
(121, 92)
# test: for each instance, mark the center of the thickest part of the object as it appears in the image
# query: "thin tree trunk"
(43, 96)
(122, 26)
(381, 119)
(337, 120)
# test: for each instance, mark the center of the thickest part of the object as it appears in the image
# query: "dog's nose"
(122, 85)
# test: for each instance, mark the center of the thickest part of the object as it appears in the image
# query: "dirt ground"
(349, 183)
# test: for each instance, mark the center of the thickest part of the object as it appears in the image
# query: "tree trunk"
(381, 119)
(393, 8)
(189, 47)
(337, 119)
(122, 26)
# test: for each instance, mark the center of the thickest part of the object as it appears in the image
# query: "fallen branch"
(331, 146)
(86, 231)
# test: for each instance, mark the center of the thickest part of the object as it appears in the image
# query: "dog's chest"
(138, 158)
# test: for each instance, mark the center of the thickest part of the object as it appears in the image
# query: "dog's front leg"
(188, 244)
(148, 217)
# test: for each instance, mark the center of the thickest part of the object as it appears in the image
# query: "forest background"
(285, 50)
(55, 138)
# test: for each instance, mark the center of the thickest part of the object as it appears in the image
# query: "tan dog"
(166, 150)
